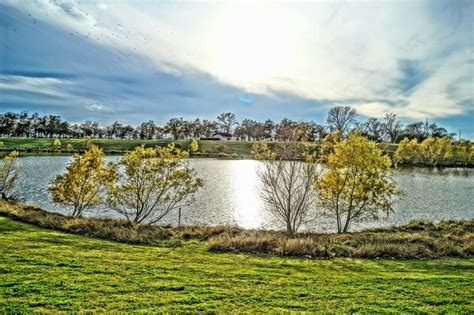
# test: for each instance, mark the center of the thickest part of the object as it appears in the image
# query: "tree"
(341, 118)
(194, 145)
(318, 132)
(80, 187)
(374, 129)
(7, 123)
(434, 150)
(392, 128)
(57, 144)
(407, 152)
(226, 121)
(147, 130)
(115, 130)
(151, 183)
(286, 182)
(208, 128)
(269, 126)
(175, 127)
(358, 183)
(415, 131)
(23, 125)
(9, 172)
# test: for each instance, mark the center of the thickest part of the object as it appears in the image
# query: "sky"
(134, 61)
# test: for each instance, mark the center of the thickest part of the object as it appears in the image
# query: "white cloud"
(97, 107)
(101, 6)
(49, 86)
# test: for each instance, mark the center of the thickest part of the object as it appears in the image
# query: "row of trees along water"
(340, 118)
(147, 184)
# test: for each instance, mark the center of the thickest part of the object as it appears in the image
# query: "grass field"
(47, 271)
(234, 149)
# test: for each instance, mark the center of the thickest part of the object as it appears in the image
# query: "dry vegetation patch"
(416, 240)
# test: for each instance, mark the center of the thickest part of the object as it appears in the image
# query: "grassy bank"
(412, 241)
(49, 272)
(207, 148)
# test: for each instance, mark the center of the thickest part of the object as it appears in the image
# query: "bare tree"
(341, 118)
(392, 127)
(286, 183)
(9, 171)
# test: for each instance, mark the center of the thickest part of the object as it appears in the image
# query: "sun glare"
(253, 44)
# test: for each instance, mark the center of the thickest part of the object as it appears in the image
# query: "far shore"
(234, 150)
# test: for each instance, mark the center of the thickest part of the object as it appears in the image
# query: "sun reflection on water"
(247, 203)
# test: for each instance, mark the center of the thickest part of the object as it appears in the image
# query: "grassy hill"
(46, 271)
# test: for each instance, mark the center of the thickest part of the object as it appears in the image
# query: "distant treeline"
(340, 118)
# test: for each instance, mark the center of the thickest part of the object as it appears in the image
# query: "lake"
(230, 195)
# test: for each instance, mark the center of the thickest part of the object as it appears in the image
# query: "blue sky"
(151, 60)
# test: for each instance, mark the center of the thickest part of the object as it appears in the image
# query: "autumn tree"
(152, 182)
(286, 182)
(194, 146)
(435, 150)
(357, 184)
(407, 152)
(57, 144)
(9, 172)
(81, 186)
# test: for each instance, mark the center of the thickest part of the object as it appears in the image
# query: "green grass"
(46, 271)
(233, 149)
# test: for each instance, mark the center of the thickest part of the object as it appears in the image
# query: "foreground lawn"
(47, 271)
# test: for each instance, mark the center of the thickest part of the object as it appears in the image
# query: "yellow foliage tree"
(86, 177)
(194, 145)
(407, 152)
(357, 184)
(328, 143)
(9, 172)
(435, 150)
(56, 143)
(152, 182)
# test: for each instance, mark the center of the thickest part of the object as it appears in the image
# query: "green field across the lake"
(214, 148)
(46, 271)
(235, 149)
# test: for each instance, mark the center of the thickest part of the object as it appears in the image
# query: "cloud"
(44, 85)
(295, 60)
(97, 107)
(102, 6)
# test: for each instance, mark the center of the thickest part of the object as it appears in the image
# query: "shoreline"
(415, 240)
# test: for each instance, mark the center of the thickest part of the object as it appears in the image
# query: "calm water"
(230, 194)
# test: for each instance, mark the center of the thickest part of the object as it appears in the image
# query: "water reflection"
(244, 187)
(230, 195)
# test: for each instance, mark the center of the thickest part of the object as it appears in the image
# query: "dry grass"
(415, 240)
(109, 229)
